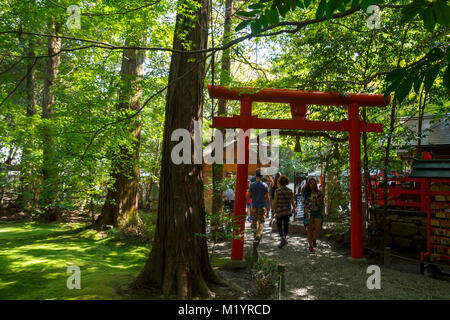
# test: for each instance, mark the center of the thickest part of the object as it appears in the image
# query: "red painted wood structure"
(298, 101)
(426, 189)
(417, 194)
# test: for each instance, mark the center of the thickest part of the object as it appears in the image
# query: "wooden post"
(364, 220)
(422, 264)
(281, 270)
(387, 257)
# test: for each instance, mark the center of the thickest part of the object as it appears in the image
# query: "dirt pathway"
(329, 274)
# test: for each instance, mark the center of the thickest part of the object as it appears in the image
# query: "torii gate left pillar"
(237, 243)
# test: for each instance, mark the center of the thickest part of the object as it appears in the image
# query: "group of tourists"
(270, 196)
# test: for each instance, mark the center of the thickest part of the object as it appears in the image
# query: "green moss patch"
(34, 258)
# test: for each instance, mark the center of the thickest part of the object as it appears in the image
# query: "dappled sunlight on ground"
(329, 274)
(33, 266)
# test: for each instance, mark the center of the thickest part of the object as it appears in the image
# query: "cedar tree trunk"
(179, 262)
(49, 170)
(121, 205)
(26, 187)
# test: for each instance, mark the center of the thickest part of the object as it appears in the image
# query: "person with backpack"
(281, 208)
(313, 218)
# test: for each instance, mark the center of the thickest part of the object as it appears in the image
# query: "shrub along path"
(329, 274)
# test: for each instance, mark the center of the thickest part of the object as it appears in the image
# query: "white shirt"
(229, 194)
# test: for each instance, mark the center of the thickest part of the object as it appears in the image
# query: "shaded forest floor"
(329, 274)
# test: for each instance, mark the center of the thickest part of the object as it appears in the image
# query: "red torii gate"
(298, 101)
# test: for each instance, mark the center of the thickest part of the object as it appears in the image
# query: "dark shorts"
(316, 214)
(313, 215)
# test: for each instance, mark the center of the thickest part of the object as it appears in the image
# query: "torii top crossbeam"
(298, 96)
(298, 101)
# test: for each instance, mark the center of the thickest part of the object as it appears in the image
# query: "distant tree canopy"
(326, 45)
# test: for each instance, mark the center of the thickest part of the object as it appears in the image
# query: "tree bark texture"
(49, 166)
(121, 205)
(25, 200)
(179, 262)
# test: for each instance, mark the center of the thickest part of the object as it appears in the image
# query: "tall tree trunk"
(121, 204)
(179, 262)
(217, 169)
(49, 169)
(26, 187)
(421, 114)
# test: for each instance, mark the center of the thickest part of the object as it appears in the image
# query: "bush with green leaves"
(218, 218)
(143, 234)
(264, 276)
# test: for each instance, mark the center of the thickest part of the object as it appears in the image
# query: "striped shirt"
(284, 199)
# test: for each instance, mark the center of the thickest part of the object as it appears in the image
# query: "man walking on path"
(259, 192)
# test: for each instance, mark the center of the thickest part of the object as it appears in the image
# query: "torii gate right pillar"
(356, 223)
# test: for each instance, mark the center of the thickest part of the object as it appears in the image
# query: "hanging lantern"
(297, 147)
(336, 152)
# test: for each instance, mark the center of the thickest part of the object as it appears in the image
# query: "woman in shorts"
(313, 218)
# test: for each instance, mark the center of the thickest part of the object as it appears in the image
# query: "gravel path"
(329, 274)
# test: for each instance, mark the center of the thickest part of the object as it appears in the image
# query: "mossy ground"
(34, 258)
